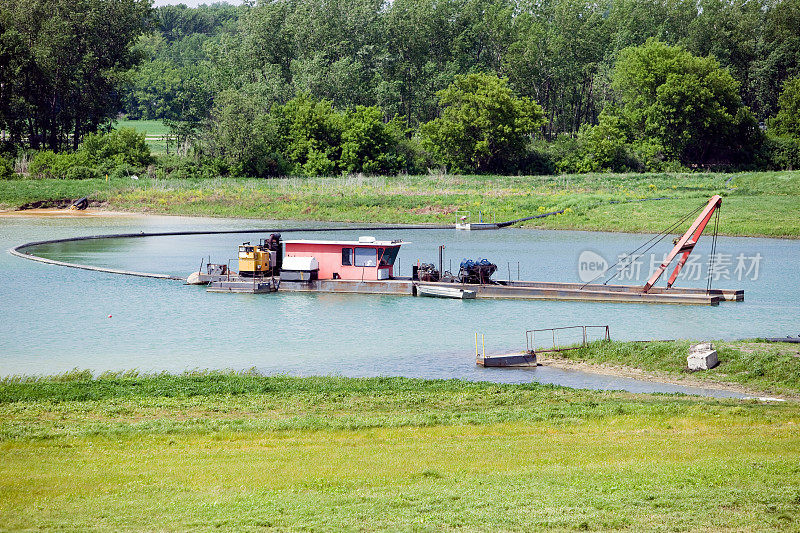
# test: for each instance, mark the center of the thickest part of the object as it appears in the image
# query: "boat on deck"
(442, 291)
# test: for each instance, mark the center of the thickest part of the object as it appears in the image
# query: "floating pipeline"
(19, 250)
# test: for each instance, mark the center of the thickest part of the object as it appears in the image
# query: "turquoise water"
(56, 318)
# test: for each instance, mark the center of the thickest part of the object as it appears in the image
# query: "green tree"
(242, 135)
(787, 121)
(65, 62)
(370, 145)
(313, 132)
(778, 53)
(483, 126)
(122, 146)
(687, 106)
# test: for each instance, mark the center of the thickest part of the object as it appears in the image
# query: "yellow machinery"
(256, 260)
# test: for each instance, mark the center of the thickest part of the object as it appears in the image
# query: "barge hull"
(400, 287)
(524, 359)
(517, 290)
(725, 295)
(528, 290)
(532, 291)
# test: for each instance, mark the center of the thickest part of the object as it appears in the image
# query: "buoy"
(109, 316)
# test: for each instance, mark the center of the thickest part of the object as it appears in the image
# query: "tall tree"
(483, 126)
(778, 54)
(686, 106)
(787, 121)
(70, 55)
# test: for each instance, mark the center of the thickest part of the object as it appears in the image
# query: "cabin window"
(388, 256)
(365, 257)
(347, 256)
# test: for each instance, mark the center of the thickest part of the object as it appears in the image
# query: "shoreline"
(649, 376)
(100, 212)
(69, 213)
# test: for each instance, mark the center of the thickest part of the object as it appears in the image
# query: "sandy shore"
(623, 371)
(66, 213)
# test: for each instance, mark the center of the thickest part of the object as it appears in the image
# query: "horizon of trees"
(728, 64)
(397, 55)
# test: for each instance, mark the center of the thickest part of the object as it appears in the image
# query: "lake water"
(56, 318)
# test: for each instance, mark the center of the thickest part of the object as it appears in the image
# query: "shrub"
(313, 132)
(82, 173)
(780, 153)
(6, 169)
(105, 151)
(538, 160)
(124, 170)
(369, 145)
(176, 167)
(567, 154)
(47, 164)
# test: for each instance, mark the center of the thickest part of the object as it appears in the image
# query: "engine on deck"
(479, 271)
(263, 259)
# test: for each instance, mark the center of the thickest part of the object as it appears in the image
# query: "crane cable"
(713, 252)
(657, 238)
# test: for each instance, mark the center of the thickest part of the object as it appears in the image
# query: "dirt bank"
(661, 377)
(65, 212)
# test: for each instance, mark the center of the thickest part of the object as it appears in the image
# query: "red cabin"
(364, 259)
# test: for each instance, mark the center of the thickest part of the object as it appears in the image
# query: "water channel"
(56, 318)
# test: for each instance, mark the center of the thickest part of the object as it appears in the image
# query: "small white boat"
(439, 291)
(477, 225)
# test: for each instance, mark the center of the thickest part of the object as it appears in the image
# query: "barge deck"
(530, 290)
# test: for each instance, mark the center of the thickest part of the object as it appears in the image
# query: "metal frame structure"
(530, 338)
(685, 244)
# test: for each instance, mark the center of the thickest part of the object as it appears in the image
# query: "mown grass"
(755, 203)
(153, 128)
(767, 367)
(203, 452)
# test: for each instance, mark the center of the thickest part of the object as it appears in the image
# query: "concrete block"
(701, 347)
(702, 357)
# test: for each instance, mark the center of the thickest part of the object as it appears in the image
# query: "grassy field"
(755, 204)
(772, 368)
(243, 452)
(154, 130)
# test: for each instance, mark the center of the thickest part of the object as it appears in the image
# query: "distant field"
(244, 453)
(755, 203)
(154, 130)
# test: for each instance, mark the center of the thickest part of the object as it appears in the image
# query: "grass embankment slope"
(770, 368)
(764, 203)
(242, 452)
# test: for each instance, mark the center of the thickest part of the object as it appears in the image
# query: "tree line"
(571, 85)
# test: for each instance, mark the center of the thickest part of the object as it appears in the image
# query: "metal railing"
(530, 337)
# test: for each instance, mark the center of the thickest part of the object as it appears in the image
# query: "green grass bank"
(772, 368)
(756, 204)
(244, 452)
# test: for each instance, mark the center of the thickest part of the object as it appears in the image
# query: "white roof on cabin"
(350, 243)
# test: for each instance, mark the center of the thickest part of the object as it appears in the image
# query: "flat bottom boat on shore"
(508, 360)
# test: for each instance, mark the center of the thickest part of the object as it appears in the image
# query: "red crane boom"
(685, 244)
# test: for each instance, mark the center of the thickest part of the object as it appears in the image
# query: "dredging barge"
(366, 266)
